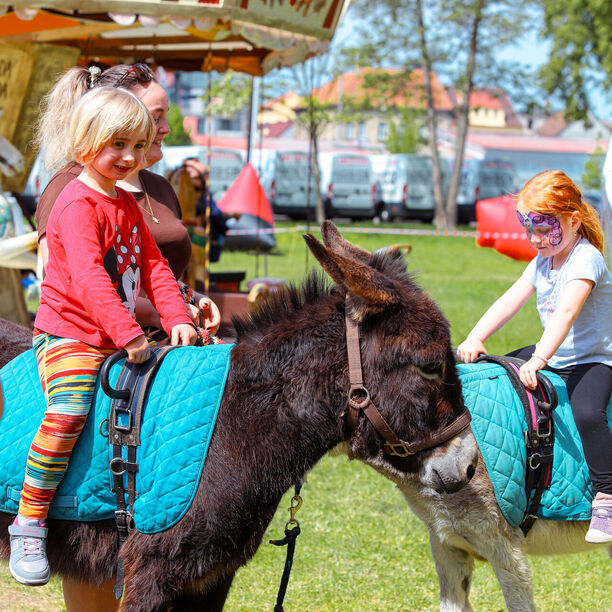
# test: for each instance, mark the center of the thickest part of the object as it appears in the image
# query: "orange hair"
(552, 192)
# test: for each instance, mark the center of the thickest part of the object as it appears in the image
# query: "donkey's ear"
(370, 290)
(334, 240)
(325, 259)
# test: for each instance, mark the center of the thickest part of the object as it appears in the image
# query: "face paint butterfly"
(545, 226)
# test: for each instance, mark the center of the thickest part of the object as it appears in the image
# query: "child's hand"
(528, 372)
(469, 349)
(183, 334)
(138, 349)
(210, 317)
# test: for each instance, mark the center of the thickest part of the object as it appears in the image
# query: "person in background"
(198, 173)
(573, 288)
(100, 253)
(162, 214)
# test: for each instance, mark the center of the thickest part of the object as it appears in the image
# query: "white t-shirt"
(589, 340)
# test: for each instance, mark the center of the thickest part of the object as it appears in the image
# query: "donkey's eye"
(433, 370)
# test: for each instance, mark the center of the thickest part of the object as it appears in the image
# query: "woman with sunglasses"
(161, 211)
(153, 193)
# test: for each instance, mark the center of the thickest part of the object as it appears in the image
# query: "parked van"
(284, 178)
(225, 164)
(348, 185)
(407, 189)
(482, 179)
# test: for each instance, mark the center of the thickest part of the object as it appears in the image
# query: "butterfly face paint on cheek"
(546, 226)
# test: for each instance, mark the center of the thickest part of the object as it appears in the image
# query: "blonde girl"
(573, 288)
(100, 254)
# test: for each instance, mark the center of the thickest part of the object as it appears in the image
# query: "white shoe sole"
(594, 536)
(30, 582)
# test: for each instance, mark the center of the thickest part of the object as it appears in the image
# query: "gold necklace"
(150, 211)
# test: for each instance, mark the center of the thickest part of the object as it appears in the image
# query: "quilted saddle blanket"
(498, 422)
(178, 422)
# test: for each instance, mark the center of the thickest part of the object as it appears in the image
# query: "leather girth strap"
(124, 434)
(539, 435)
(359, 400)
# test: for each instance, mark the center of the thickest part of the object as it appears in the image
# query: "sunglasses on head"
(140, 73)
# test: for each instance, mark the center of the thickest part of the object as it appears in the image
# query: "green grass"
(361, 549)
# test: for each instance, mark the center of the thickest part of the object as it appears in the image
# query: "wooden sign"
(27, 72)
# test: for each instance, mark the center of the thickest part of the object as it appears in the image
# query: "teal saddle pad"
(498, 423)
(178, 422)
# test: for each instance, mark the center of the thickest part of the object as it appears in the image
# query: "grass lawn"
(361, 549)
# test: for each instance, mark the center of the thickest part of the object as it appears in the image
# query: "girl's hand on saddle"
(528, 372)
(138, 349)
(469, 349)
(183, 334)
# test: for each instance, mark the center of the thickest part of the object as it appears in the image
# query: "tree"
(177, 135)
(581, 54)
(593, 169)
(405, 134)
(459, 39)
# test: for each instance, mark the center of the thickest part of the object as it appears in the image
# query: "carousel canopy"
(251, 36)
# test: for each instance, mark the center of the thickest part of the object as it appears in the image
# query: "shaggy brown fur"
(14, 339)
(281, 412)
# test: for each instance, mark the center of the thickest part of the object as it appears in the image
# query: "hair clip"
(94, 73)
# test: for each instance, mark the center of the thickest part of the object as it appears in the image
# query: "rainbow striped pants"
(68, 370)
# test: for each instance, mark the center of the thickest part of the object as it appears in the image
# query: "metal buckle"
(119, 408)
(391, 449)
(358, 397)
(541, 422)
(537, 457)
(115, 471)
(124, 520)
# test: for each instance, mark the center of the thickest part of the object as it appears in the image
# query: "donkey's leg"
(454, 567)
(509, 562)
(212, 600)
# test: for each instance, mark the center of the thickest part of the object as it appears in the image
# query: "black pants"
(589, 386)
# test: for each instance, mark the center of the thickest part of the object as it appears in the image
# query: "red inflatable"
(247, 197)
(498, 227)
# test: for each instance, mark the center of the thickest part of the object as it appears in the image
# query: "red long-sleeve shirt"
(100, 254)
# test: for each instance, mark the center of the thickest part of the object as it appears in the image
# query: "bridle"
(359, 400)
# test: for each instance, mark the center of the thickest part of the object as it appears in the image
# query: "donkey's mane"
(279, 305)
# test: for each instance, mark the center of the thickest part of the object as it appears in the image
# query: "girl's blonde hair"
(53, 128)
(552, 192)
(103, 113)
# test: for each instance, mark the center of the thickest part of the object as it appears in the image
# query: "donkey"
(283, 408)
(469, 525)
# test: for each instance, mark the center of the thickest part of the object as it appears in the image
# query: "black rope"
(291, 533)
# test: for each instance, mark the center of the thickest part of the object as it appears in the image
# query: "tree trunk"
(432, 125)
(319, 207)
(463, 118)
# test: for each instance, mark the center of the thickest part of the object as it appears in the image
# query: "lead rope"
(292, 531)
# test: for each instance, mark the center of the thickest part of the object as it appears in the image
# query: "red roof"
(485, 99)
(351, 85)
(553, 125)
(529, 142)
(274, 130)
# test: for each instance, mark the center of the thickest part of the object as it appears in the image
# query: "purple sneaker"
(600, 529)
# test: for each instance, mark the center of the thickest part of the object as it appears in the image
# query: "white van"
(348, 185)
(407, 189)
(482, 179)
(225, 164)
(284, 178)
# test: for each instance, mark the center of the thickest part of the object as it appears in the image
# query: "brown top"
(170, 234)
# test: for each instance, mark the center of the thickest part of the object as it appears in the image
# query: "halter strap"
(359, 400)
